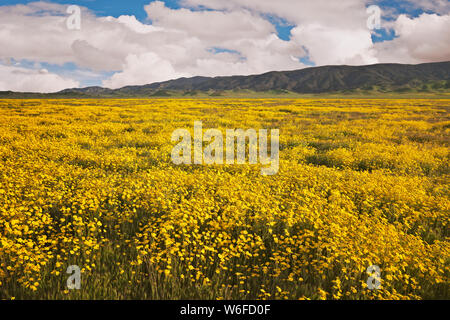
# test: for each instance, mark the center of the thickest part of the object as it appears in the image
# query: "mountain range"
(382, 78)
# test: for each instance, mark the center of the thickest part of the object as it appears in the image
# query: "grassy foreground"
(91, 183)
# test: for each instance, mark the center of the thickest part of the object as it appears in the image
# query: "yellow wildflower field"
(91, 183)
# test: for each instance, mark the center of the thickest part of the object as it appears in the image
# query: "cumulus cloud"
(181, 41)
(27, 80)
(329, 46)
(334, 32)
(210, 26)
(423, 39)
(208, 43)
(143, 69)
(343, 13)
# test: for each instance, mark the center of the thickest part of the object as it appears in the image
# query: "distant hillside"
(381, 78)
(318, 80)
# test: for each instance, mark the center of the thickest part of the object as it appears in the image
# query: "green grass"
(373, 93)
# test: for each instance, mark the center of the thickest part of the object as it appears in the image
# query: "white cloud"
(28, 80)
(179, 40)
(419, 40)
(343, 13)
(210, 26)
(329, 46)
(142, 69)
(333, 32)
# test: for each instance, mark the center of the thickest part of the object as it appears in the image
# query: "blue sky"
(295, 47)
(107, 7)
(117, 8)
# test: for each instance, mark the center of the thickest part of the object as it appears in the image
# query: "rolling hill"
(381, 78)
